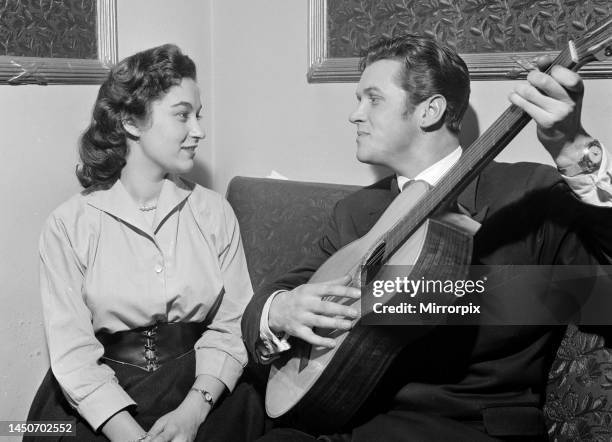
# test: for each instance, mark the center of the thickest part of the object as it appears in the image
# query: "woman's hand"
(181, 424)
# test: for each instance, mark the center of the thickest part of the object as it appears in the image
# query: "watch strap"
(205, 395)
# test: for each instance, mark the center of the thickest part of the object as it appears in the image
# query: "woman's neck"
(143, 187)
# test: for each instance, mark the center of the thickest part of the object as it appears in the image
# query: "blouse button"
(158, 268)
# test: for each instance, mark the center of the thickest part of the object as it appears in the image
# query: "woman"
(143, 275)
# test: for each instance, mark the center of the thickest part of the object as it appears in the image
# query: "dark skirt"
(238, 416)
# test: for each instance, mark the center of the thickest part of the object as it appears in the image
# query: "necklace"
(147, 208)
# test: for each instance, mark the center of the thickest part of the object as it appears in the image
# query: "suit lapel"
(467, 202)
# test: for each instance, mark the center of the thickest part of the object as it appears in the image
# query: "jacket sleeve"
(326, 246)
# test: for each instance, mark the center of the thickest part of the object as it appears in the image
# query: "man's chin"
(364, 157)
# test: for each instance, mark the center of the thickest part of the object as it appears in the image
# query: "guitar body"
(327, 390)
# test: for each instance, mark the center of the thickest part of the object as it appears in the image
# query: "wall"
(40, 126)
(267, 117)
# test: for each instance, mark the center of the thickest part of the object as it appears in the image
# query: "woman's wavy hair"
(127, 93)
(429, 68)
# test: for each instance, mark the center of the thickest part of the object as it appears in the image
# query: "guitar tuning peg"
(602, 50)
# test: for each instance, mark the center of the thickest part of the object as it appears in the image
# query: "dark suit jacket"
(493, 375)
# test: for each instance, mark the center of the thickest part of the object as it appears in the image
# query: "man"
(454, 383)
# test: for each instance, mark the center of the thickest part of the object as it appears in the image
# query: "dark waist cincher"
(150, 347)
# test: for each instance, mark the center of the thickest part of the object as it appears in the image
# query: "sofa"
(281, 221)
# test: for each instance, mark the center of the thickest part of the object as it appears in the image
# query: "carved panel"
(469, 26)
(489, 34)
(48, 28)
(57, 41)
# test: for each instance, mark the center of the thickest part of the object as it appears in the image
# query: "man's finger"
(161, 437)
(537, 113)
(543, 61)
(330, 323)
(156, 429)
(568, 79)
(328, 308)
(343, 280)
(336, 290)
(309, 336)
(547, 85)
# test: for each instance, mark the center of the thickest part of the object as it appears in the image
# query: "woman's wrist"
(195, 405)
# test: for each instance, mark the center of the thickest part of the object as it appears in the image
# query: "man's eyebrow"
(182, 103)
(368, 91)
(372, 89)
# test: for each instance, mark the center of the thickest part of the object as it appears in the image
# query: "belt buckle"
(150, 353)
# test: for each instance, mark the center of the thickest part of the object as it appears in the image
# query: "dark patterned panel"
(469, 26)
(579, 395)
(280, 221)
(48, 28)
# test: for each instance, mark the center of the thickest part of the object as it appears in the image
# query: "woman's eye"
(183, 116)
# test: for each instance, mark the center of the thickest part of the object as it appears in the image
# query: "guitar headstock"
(595, 45)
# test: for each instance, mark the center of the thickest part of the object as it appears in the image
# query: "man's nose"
(357, 115)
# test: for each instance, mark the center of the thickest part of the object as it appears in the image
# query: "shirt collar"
(435, 172)
(117, 202)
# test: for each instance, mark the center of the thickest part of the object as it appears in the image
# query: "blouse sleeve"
(220, 352)
(90, 386)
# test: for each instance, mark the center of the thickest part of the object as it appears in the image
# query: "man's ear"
(432, 111)
(130, 126)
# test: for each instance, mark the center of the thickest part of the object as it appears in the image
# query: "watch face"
(591, 160)
(595, 153)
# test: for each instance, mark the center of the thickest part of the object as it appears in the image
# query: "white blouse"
(104, 267)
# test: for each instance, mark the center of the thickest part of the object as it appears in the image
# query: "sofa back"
(280, 221)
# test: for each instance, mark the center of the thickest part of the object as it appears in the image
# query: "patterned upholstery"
(281, 221)
(579, 397)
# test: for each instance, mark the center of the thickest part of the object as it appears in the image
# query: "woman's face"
(167, 140)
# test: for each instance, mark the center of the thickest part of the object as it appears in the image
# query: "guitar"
(320, 388)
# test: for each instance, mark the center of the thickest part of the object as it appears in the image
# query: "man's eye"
(375, 99)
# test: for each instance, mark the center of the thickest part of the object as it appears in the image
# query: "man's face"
(385, 127)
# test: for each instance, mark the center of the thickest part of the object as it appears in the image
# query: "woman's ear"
(130, 126)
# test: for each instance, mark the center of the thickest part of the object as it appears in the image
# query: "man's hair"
(130, 88)
(428, 68)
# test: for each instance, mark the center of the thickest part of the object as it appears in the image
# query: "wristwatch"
(206, 395)
(592, 155)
